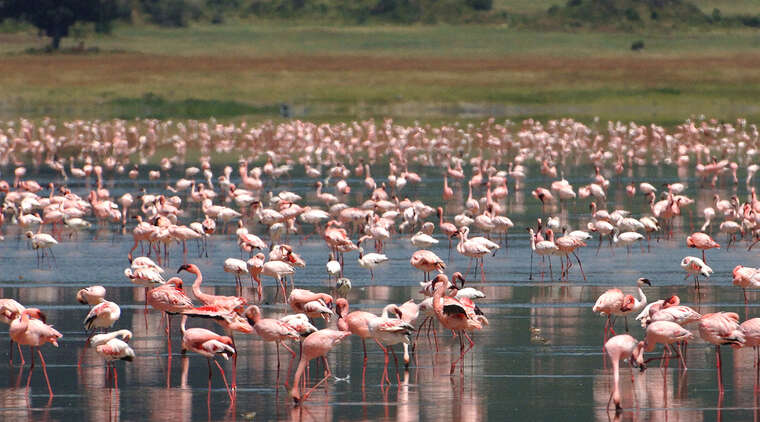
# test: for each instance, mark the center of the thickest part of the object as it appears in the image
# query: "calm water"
(506, 375)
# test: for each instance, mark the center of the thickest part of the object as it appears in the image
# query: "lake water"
(506, 376)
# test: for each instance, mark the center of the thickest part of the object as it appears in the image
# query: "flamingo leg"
(385, 365)
(720, 375)
(327, 375)
(395, 361)
(290, 363)
(115, 377)
(44, 371)
(224, 378)
(580, 265)
(364, 365)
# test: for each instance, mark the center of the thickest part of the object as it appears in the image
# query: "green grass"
(727, 7)
(246, 70)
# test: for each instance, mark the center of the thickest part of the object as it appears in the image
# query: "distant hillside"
(627, 14)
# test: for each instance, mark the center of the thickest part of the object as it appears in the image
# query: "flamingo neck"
(642, 297)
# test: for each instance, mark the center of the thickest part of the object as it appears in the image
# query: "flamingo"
(317, 344)
(103, 315)
(566, 245)
(42, 242)
(427, 261)
(228, 302)
(34, 333)
(667, 333)
(543, 248)
(453, 315)
(334, 269)
(276, 331)
(371, 260)
(652, 307)
(275, 269)
(387, 332)
(622, 346)
(357, 323)
(209, 345)
(170, 299)
(721, 328)
(312, 304)
(112, 348)
(476, 248)
(745, 277)
(701, 241)
(751, 330)
(695, 267)
(9, 308)
(237, 267)
(615, 302)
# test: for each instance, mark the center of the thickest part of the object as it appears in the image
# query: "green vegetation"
(55, 17)
(433, 72)
(214, 60)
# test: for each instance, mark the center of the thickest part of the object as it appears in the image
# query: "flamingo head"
(191, 268)
(36, 314)
(341, 307)
(672, 301)
(176, 281)
(628, 303)
(457, 276)
(439, 278)
(643, 281)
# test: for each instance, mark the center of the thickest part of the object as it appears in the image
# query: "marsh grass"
(433, 72)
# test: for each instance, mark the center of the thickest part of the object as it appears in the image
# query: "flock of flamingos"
(489, 161)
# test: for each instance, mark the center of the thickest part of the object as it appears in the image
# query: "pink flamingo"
(453, 315)
(387, 332)
(751, 330)
(667, 333)
(746, 277)
(112, 348)
(701, 241)
(356, 322)
(228, 302)
(312, 304)
(91, 295)
(317, 344)
(208, 344)
(9, 308)
(619, 347)
(34, 333)
(103, 315)
(170, 299)
(276, 331)
(612, 302)
(477, 248)
(427, 261)
(721, 328)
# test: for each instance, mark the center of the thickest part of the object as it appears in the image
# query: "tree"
(55, 17)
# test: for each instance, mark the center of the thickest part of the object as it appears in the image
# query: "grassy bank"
(426, 72)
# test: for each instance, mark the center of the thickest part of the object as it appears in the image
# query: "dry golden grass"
(335, 79)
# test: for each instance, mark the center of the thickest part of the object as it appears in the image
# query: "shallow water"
(505, 375)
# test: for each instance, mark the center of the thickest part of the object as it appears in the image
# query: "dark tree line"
(54, 18)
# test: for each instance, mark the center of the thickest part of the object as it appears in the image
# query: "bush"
(632, 15)
(716, 16)
(480, 4)
(574, 3)
(166, 12)
(637, 45)
(753, 21)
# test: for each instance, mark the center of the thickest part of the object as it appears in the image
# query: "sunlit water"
(506, 376)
